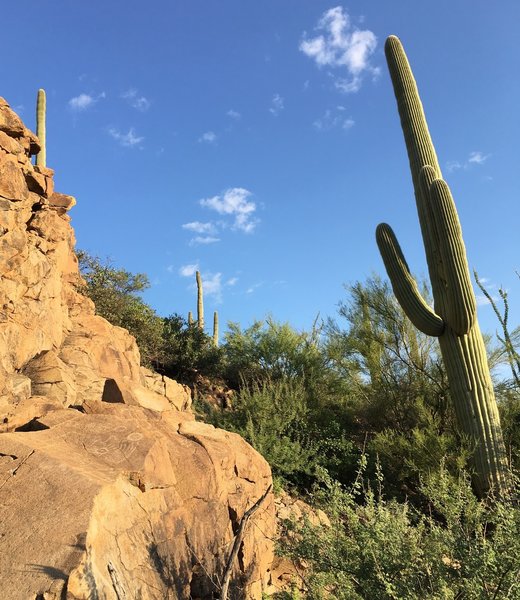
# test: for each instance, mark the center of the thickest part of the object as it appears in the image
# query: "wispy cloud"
(84, 101)
(198, 227)
(251, 289)
(342, 45)
(474, 158)
(491, 288)
(128, 140)
(478, 158)
(232, 281)
(204, 240)
(334, 120)
(233, 114)
(236, 203)
(213, 285)
(189, 270)
(277, 105)
(136, 100)
(210, 137)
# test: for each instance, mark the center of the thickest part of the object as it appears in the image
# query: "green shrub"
(187, 351)
(378, 548)
(115, 293)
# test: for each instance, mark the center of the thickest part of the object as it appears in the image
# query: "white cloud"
(478, 158)
(342, 45)
(254, 287)
(277, 105)
(233, 114)
(189, 270)
(204, 239)
(212, 283)
(210, 137)
(453, 165)
(198, 227)
(234, 202)
(331, 120)
(84, 101)
(474, 158)
(135, 100)
(232, 281)
(128, 140)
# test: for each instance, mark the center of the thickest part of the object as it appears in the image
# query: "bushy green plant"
(277, 418)
(271, 350)
(399, 407)
(378, 548)
(187, 351)
(116, 294)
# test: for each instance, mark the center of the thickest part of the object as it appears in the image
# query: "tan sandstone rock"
(108, 487)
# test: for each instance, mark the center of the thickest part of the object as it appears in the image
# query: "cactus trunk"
(190, 319)
(215, 329)
(41, 157)
(200, 302)
(453, 319)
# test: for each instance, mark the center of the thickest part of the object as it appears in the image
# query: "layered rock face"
(108, 486)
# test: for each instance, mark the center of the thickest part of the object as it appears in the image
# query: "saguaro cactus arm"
(41, 157)
(461, 304)
(404, 285)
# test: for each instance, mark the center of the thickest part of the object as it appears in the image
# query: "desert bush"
(116, 294)
(279, 420)
(378, 548)
(187, 351)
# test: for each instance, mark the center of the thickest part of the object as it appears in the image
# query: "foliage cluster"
(460, 547)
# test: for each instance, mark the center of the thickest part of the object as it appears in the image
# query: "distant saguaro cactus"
(454, 320)
(200, 302)
(215, 329)
(41, 157)
(190, 319)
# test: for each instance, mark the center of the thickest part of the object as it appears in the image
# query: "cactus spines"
(190, 319)
(200, 302)
(454, 320)
(41, 157)
(215, 329)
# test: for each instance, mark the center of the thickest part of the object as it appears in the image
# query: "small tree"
(116, 294)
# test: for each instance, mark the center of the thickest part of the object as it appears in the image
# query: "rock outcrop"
(108, 486)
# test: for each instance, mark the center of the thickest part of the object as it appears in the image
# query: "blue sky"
(260, 142)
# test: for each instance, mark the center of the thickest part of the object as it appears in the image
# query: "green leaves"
(460, 547)
(116, 294)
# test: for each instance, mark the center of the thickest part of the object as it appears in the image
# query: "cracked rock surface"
(109, 489)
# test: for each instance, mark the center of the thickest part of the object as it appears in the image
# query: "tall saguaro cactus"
(41, 157)
(200, 302)
(454, 318)
(215, 329)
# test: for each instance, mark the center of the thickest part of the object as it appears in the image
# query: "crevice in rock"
(233, 517)
(14, 457)
(112, 393)
(32, 425)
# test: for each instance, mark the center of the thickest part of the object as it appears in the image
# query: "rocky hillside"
(108, 486)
